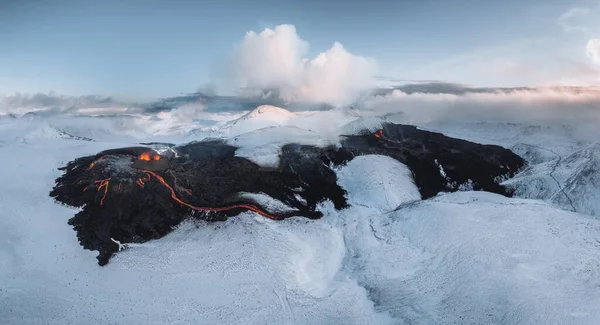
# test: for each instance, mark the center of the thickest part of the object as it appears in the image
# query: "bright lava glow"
(207, 209)
(146, 156)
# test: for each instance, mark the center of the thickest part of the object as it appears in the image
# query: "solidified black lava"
(440, 163)
(132, 195)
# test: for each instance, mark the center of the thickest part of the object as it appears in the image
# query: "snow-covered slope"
(261, 117)
(478, 258)
(572, 182)
(389, 258)
(8, 117)
(327, 124)
(378, 182)
(263, 146)
(563, 164)
(465, 257)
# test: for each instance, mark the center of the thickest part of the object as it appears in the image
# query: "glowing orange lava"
(250, 207)
(142, 181)
(102, 183)
(146, 156)
(93, 163)
(379, 134)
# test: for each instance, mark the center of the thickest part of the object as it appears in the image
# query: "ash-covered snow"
(389, 258)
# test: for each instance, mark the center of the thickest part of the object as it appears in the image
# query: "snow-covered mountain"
(388, 258)
(261, 117)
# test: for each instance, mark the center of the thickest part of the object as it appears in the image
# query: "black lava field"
(136, 194)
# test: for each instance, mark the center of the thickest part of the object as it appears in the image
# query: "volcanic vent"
(136, 194)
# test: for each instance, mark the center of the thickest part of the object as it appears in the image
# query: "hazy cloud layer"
(568, 106)
(18, 103)
(275, 59)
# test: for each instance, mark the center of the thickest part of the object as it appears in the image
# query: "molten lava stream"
(207, 209)
(103, 183)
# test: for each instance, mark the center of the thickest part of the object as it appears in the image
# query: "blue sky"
(148, 49)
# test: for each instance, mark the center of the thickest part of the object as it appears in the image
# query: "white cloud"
(188, 112)
(592, 50)
(275, 59)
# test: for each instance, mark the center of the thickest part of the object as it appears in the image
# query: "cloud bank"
(49, 104)
(573, 106)
(275, 59)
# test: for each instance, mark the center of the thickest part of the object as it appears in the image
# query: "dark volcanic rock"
(128, 199)
(440, 163)
(132, 195)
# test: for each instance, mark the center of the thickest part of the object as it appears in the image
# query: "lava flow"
(142, 181)
(379, 134)
(103, 183)
(208, 209)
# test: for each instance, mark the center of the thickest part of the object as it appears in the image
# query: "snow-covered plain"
(390, 258)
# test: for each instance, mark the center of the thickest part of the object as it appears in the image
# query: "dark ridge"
(132, 195)
(311, 165)
(211, 148)
(429, 155)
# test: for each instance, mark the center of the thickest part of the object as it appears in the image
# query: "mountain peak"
(269, 112)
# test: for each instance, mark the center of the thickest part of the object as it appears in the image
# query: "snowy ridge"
(563, 165)
(267, 112)
(572, 182)
(261, 117)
